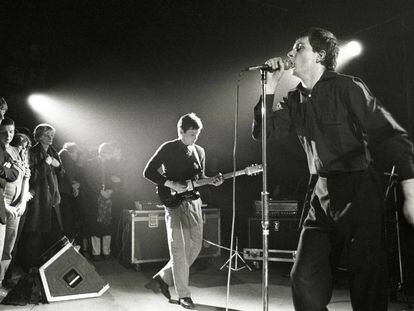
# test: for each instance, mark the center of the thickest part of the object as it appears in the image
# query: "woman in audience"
(99, 201)
(43, 224)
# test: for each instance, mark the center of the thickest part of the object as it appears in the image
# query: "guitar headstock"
(253, 169)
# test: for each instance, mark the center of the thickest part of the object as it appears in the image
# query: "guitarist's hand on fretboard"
(176, 186)
(218, 180)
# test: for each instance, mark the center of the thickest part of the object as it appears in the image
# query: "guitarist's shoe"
(186, 302)
(163, 286)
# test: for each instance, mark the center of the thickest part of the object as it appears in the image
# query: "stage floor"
(133, 290)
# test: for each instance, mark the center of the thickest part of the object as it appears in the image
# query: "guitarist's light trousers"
(185, 235)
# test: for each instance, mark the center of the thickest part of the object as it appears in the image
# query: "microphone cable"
(233, 217)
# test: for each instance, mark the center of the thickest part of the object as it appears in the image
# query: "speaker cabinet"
(67, 275)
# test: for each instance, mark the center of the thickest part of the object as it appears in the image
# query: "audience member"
(12, 199)
(98, 201)
(21, 144)
(69, 189)
(43, 224)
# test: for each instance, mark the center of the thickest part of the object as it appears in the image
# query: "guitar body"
(172, 200)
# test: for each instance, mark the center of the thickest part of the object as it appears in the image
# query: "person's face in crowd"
(106, 156)
(46, 139)
(3, 111)
(82, 157)
(74, 154)
(3, 108)
(117, 154)
(22, 146)
(22, 149)
(303, 57)
(6, 134)
(190, 136)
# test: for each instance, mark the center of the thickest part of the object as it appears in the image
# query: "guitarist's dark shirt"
(175, 161)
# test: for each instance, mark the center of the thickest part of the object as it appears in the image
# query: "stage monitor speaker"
(67, 275)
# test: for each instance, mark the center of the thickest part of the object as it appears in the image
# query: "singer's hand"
(273, 77)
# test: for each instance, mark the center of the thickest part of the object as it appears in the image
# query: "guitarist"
(173, 163)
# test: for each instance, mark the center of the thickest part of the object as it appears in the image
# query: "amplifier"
(144, 236)
(278, 208)
(283, 233)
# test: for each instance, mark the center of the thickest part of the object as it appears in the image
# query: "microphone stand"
(392, 186)
(265, 199)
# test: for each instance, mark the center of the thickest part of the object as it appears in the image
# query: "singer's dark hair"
(188, 121)
(322, 39)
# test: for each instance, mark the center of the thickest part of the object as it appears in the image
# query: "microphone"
(287, 64)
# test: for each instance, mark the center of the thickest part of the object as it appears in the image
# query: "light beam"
(348, 51)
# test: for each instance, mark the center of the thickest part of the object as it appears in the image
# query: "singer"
(343, 128)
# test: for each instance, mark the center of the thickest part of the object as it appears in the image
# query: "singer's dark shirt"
(341, 126)
(175, 161)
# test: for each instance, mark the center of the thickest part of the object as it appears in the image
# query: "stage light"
(71, 115)
(48, 107)
(347, 52)
(354, 48)
(41, 103)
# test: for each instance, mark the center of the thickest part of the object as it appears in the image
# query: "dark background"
(125, 71)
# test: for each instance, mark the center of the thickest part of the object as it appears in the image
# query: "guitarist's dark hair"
(188, 121)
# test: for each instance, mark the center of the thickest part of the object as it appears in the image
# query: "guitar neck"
(207, 181)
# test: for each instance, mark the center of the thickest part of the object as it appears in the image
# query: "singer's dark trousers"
(346, 210)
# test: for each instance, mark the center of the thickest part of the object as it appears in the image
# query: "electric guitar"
(172, 199)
